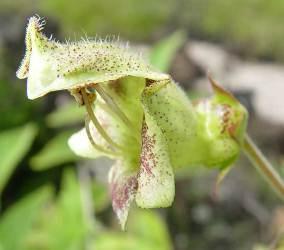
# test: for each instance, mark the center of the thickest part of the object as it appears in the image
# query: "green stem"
(263, 166)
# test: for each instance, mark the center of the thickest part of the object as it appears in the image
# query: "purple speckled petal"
(123, 188)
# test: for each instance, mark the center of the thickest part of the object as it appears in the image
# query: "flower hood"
(51, 66)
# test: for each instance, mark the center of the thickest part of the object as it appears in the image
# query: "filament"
(95, 121)
(111, 104)
(91, 139)
(108, 100)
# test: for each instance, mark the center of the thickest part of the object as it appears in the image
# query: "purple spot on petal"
(122, 192)
(147, 157)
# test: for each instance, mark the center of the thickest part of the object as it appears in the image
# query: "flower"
(137, 116)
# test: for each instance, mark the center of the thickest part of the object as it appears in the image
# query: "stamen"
(115, 108)
(91, 139)
(96, 122)
(108, 100)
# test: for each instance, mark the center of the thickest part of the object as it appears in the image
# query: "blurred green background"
(50, 199)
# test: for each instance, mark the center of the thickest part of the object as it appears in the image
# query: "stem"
(96, 122)
(263, 166)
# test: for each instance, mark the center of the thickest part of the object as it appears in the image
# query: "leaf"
(17, 222)
(146, 231)
(65, 115)
(62, 224)
(140, 222)
(14, 144)
(163, 52)
(54, 153)
(66, 228)
(100, 196)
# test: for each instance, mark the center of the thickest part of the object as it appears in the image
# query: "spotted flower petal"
(123, 187)
(156, 186)
(175, 116)
(51, 66)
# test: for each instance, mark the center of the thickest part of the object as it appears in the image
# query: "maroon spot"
(149, 82)
(147, 158)
(116, 86)
(122, 192)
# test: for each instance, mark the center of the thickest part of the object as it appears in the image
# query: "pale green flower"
(139, 116)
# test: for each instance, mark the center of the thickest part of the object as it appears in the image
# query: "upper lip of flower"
(51, 66)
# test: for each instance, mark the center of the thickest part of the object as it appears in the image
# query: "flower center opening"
(87, 96)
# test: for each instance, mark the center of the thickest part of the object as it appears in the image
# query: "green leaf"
(140, 222)
(65, 115)
(66, 227)
(146, 231)
(100, 196)
(54, 153)
(17, 222)
(163, 52)
(14, 144)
